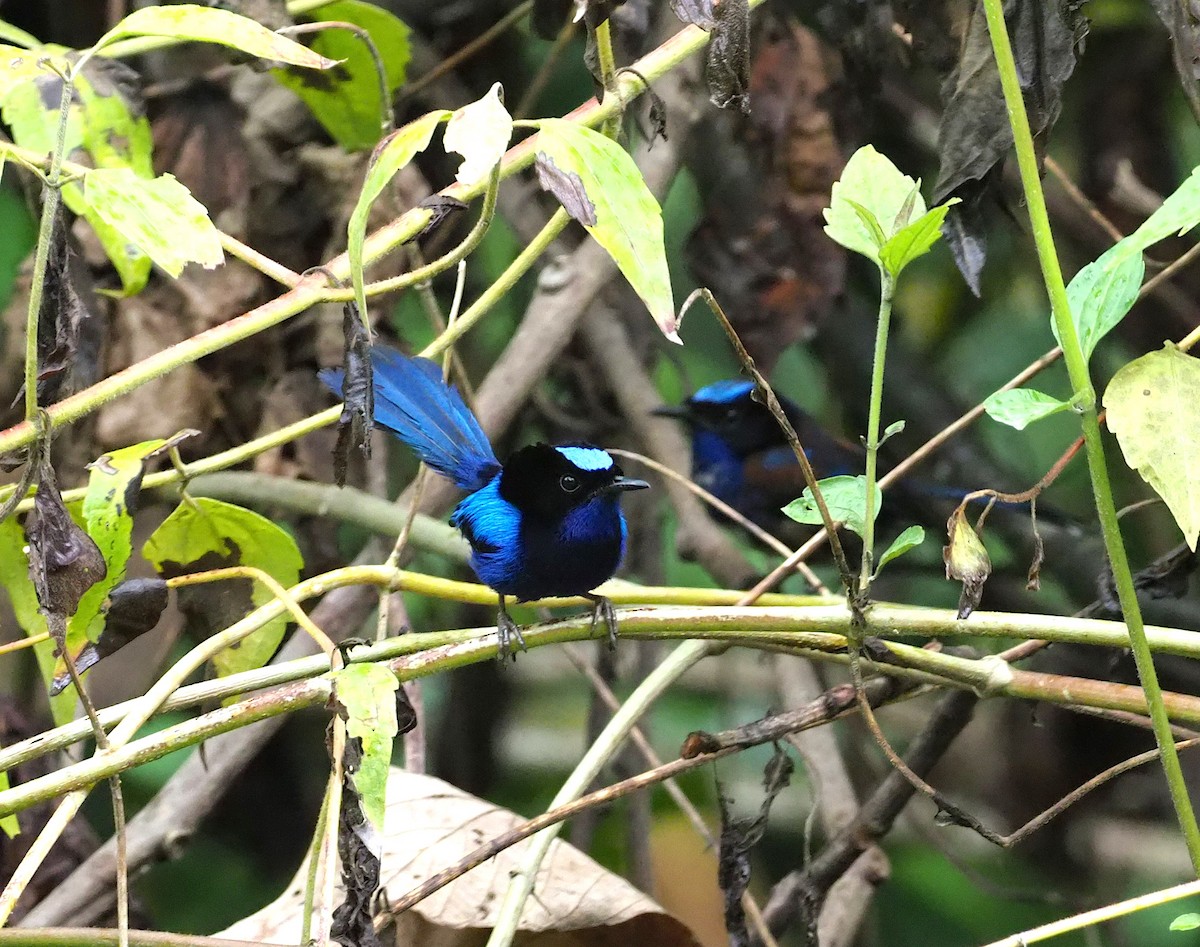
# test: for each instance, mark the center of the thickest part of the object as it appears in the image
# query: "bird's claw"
(508, 631)
(602, 607)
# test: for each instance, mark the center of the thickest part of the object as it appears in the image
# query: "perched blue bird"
(740, 455)
(547, 522)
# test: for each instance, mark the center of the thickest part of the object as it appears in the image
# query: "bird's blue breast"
(715, 466)
(522, 556)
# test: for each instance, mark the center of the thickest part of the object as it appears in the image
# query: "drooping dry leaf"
(430, 825)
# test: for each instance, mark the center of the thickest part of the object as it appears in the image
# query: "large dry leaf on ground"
(429, 826)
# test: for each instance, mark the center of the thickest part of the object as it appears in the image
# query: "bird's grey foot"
(603, 608)
(507, 631)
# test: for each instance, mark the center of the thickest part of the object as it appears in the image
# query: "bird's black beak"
(621, 484)
(679, 412)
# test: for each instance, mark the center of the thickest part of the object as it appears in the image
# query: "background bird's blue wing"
(414, 403)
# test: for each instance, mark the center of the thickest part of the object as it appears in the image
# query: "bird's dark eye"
(569, 483)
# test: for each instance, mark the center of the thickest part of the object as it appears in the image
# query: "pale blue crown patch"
(587, 458)
(723, 391)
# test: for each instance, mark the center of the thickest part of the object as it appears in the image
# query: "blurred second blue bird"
(547, 522)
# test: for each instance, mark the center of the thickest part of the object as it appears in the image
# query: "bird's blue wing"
(414, 403)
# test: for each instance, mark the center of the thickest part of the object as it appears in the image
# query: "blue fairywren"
(545, 523)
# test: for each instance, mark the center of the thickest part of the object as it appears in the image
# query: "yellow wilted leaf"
(1153, 408)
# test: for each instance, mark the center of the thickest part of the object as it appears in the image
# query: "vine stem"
(1085, 398)
(886, 290)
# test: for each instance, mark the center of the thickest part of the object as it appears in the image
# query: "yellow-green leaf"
(367, 694)
(910, 539)
(871, 181)
(215, 535)
(480, 132)
(624, 217)
(158, 216)
(189, 21)
(1153, 406)
(914, 240)
(392, 154)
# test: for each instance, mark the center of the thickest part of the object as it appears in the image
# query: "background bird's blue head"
(726, 420)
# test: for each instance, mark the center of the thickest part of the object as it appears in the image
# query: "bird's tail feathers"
(415, 403)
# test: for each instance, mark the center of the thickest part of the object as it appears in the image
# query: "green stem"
(41, 259)
(886, 289)
(105, 937)
(1085, 397)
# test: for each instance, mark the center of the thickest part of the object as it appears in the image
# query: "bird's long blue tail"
(414, 403)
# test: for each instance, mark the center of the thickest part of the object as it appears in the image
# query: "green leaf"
(1186, 922)
(480, 132)
(1179, 213)
(1153, 406)
(911, 538)
(367, 693)
(892, 430)
(17, 36)
(14, 577)
(1102, 293)
(914, 240)
(159, 216)
(626, 219)
(875, 185)
(112, 496)
(188, 21)
(870, 222)
(846, 498)
(8, 823)
(1020, 407)
(346, 99)
(221, 535)
(390, 155)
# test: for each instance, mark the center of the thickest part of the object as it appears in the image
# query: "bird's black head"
(548, 482)
(728, 409)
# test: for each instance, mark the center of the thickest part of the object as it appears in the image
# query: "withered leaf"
(975, 136)
(1168, 576)
(64, 562)
(61, 319)
(440, 207)
(727, 60)
(568, 188)
(657, 115)
(133, 608)
(738, 837)
(358, 395)
(966, 560)
(696, 12)
(352, 919)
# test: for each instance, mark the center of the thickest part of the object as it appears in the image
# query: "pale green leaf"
(870, 222)
(846, 499)
(911, 538)
(1186, 922)
(1178, 214)
(892, 430)
(1153, 406)
(367, 693)
(222, 534)
(17, 36)
(22, 598)
(1020, 407)
(915, 240)
(391, 154)
(1101, 294)
(346, 100)
(189, 21)
(158, 216)
(627, 219)
(871, 181)
(480, 132)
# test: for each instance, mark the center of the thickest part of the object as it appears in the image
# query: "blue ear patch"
(587, 458)
(724, 391)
